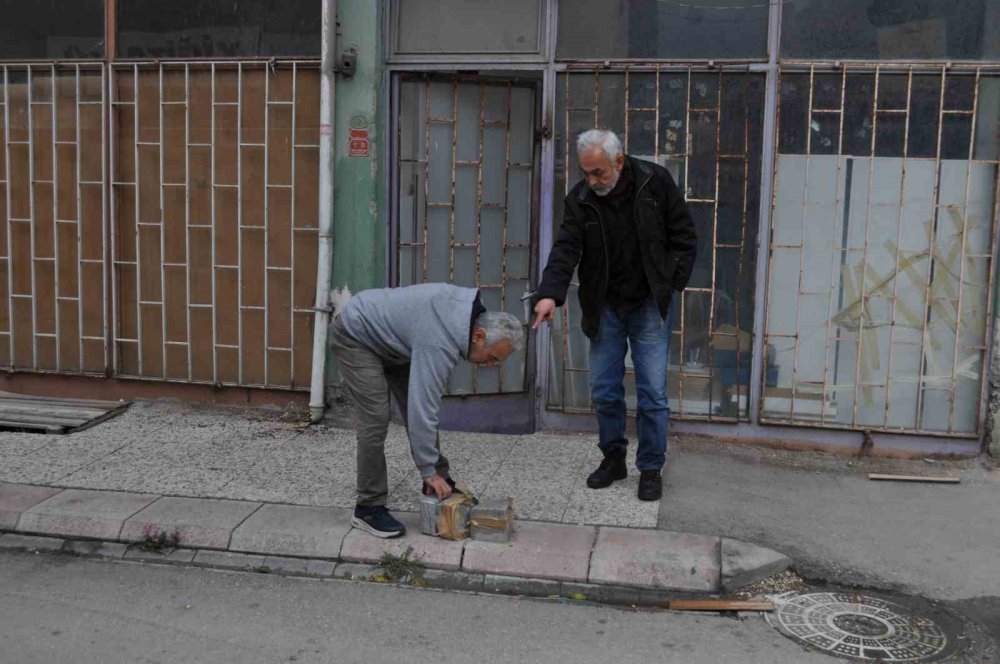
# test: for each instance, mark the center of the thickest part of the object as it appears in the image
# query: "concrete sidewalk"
(265, 455)
(601, 563)
(257, 489)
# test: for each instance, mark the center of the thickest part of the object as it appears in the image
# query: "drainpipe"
(317, 402)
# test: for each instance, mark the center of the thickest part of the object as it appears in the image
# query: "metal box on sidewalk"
(491, 520)
(429, 507)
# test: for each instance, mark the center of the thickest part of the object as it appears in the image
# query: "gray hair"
(600, 138)
(500, 325)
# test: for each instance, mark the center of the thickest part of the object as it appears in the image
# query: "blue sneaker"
(376, 520)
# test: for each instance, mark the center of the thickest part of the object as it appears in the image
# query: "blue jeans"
(648, 336)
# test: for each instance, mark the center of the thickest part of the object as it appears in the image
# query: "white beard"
(604, 191)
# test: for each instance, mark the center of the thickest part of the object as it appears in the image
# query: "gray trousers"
(371, 380)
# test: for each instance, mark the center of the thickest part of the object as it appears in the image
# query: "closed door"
(464, 214)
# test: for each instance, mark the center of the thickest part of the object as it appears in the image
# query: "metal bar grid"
(678, 147)
(862, 290)
(31, 213)
(418, 247)
(19, 96)
(187, 218)
(945, 308)
(9, 205)
(161, 221)
(239, 220)
(181, 75)
(836, 248)
(802, 241)
(899, 236)
(962, 256)
(54, 101)
(215, 185)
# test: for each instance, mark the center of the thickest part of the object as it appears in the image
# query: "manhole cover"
(858, 627)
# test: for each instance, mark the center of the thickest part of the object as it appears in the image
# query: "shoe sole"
(382, 534)
(650, 500)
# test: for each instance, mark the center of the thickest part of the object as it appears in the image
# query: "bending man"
(405, 342)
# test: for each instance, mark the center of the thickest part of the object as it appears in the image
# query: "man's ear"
(619, 161)
(479, 335)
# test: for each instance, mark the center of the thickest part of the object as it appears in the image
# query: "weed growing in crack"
(400, 569)
(157, 540)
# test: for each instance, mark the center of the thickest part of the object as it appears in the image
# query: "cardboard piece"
(453, 517)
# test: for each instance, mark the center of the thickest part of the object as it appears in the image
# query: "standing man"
(405, 342)
(628, 228)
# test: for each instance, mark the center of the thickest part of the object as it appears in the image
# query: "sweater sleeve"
(429, 368)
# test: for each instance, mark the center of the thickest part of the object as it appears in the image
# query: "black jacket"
(666, 236)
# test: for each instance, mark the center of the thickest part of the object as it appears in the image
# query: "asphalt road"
(56, 608)
(940, 541)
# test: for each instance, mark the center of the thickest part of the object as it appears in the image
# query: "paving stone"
(114, 550)
(171, 556)
(536, 550)
(15, 498)
(744, 563)
(301, 566)
(83, 513)
(31, 542)
(360, 546)
(656, 559)
(227, 560)
(291, 530)
(541, 476)
(451, 580)
(604, 594)
(516, 585)
(354, 571)
(197, 522)
(615, 505)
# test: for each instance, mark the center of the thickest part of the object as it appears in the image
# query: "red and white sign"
(358, 144)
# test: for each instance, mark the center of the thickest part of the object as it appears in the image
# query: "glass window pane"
(889, 29)
(461, 26)
(662, 29)
(196, 29)
(988, 120)
(50, 29)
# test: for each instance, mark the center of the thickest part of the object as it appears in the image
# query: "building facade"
(160, 179)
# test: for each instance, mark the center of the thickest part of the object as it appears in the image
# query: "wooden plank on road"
(913, 478)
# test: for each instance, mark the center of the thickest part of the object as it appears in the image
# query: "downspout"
(317, 402)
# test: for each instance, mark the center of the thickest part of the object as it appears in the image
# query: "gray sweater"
(427, 326)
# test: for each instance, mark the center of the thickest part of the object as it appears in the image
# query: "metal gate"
(465, 205)
(465, 212)
(706, 128)
(215, 221)
(160, 221)
(884, 214)
(53, 313)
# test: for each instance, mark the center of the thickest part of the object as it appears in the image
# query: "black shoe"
(428, 491)
(650, 485)
(611, 469)
(376, 520)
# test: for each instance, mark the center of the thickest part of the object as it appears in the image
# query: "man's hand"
(545, 310)
(441, 488)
